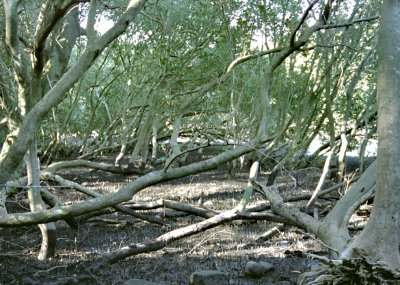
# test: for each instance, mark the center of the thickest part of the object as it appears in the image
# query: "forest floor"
(226, 248)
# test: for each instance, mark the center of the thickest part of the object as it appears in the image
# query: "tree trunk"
(36, 203)
(381, 236)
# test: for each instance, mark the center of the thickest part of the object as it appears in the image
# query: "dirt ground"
(227, 248)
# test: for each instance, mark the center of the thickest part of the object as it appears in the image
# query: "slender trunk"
(36, 203)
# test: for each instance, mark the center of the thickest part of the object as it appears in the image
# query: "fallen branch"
(92, 193)
(53, 168)
(174, 205)
(111, 222)
(270, 233)
(180, 233)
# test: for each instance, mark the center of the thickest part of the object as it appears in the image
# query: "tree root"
(360, 271)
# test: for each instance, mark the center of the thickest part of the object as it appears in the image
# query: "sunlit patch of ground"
(227, 248)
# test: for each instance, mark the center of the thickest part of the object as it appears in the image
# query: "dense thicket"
(170, 78)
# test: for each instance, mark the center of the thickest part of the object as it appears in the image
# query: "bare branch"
(348, 24)
(294, 215)
(177, 234)
(92, 193)
(303, 18)
(127, 192)
(245, 58)
(50, 13)
(57, 93)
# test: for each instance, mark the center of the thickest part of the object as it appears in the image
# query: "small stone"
(257, 269)
(209, 277)
(138, 282)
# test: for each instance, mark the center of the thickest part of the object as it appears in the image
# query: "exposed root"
(360, 271)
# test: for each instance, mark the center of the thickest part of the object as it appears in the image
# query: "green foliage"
(164, 62)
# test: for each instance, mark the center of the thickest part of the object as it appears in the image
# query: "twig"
(170, 160)
(50, 269)
(322, 178)
(324, 259)
(270, 233)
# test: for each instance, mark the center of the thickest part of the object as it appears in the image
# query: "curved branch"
(56, 94)
(125, 193)
(51, 13)
(245, 58)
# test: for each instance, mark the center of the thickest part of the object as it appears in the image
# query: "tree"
(10, 158)
(30, 71)
(188, 77)
(380, 238)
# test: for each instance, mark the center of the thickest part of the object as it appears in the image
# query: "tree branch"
(345, 25)
(91, 20)
(303, 18)
(278, 206)
(12, 42)
(177, 234)
(127, 192)
(56, 94)
(51, 13)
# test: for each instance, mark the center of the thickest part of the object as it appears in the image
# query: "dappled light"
(199, 142)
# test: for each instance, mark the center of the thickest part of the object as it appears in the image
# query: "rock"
(257, 269)
(209, 277)
(138, 282)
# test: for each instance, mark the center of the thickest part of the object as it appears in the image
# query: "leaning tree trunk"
(381, 236)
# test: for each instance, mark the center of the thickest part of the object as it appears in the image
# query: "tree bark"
(36, 203)
(381, 236)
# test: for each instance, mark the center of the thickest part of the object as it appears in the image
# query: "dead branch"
(180, 233)
(111, 222)
(174, 205)
(183, 207)
(322, 178)
(92, 193)
(270, 233)
(53, 168)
